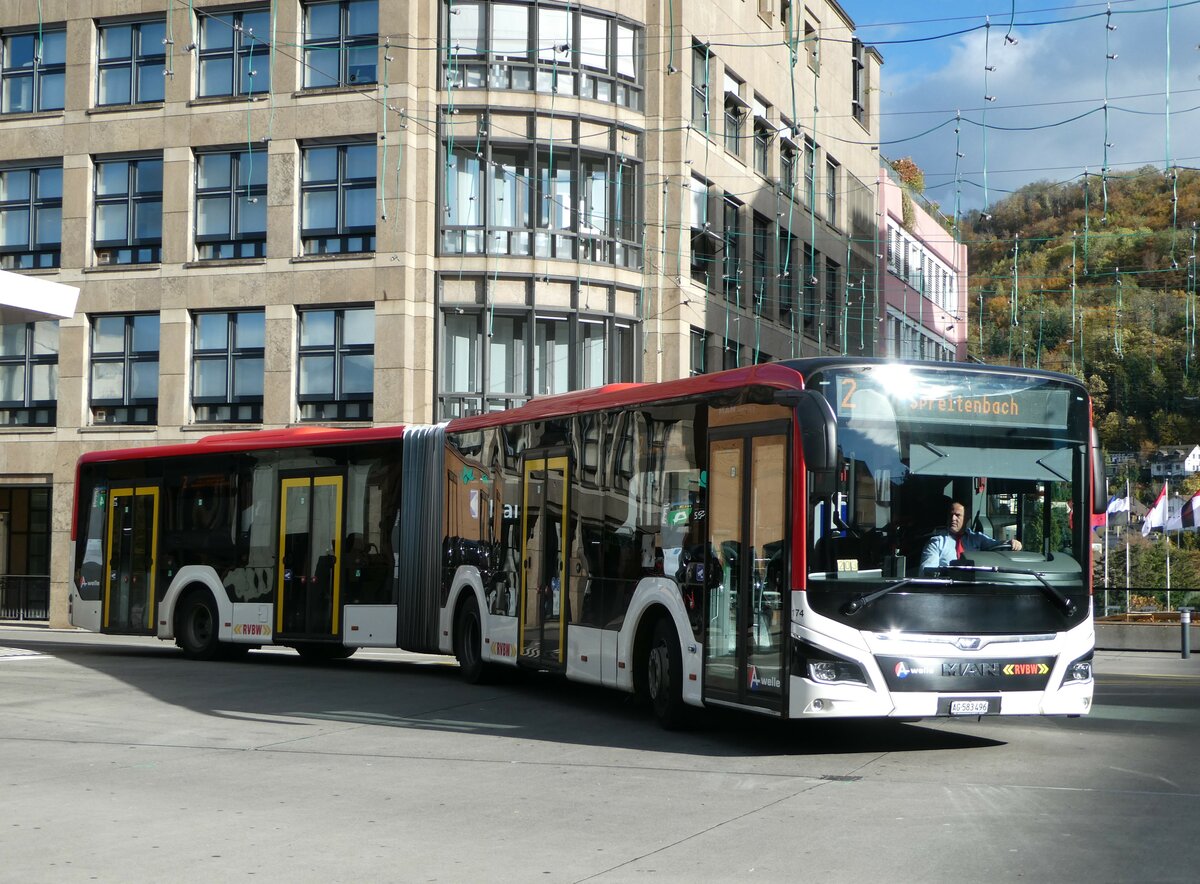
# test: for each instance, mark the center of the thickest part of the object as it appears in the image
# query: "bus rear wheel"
(196, 627)
(468, 641)
(664, 676)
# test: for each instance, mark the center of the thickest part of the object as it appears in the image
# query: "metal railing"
(24, 597)
(1143, 601)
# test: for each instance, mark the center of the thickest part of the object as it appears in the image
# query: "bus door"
(310, 548)
(131, 551)
(544, 557)
(747, 533)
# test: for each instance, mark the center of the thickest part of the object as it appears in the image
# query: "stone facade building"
(345, 211)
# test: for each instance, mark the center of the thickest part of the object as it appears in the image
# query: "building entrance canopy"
(28, 299)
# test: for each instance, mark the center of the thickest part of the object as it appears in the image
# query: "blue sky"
(1055, 70)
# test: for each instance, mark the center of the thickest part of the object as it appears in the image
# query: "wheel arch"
(195, 578)
(467, 582)
(655, 598)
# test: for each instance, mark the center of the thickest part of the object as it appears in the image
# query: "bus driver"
(944, 547)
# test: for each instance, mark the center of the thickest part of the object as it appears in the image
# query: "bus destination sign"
(925, 398)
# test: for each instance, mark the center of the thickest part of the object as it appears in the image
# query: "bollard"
(1185, 636)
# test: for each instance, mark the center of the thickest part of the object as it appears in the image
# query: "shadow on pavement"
(280, 688)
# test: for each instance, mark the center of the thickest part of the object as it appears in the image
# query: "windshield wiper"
(854, 606)
(1068, 605)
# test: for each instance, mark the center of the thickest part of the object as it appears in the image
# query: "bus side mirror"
(818, 432)
(1099, 485)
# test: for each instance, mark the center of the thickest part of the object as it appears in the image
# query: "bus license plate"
(969, 707)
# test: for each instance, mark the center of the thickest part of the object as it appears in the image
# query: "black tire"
(664, 676)
(321, 652)
(468, 641)
(196, 626)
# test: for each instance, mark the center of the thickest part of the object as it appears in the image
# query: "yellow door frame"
(531, 466)
(133, 493)
(311, 482)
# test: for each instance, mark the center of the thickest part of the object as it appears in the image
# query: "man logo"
(968, 644)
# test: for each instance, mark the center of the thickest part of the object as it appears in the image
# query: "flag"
(1117, 505)
(1189, 515)
(1157, 516)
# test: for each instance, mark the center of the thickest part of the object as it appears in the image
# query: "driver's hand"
(1016, 545)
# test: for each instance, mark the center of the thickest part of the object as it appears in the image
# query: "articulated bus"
(749, 539)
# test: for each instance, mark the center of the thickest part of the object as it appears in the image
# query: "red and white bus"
(749, 539)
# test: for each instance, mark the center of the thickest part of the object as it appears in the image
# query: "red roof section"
(625, 395)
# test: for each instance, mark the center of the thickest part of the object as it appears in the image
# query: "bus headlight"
(825, 667)
(1080, 671)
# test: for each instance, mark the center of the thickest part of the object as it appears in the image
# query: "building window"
(699, 349)
(759, 267)
(337, 364)
(227, 367)
(812, 48)
(858, 81)
(833, 298)
(810, 173)
(831, 192)
(231, 204)
(731, 355)
(33, 71)
(30, 217)
(787, 169)
(732, 272)
(735, 115)
(704, 238)
(337, 211)
(786, 279)
(128, 211)
(132, 62)
(700, 57)
(762, 147)
(811, 283)
(124, 377)
(340, 43)
(29, 373)
(530, 47)
(587, 205)
(234, 49)
(492, 361)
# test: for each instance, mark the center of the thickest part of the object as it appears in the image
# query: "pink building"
(923, 279)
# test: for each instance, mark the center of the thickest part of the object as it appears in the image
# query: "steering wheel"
(1005, 546)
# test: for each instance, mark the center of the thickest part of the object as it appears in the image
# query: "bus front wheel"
(196, 631)
(664, 676)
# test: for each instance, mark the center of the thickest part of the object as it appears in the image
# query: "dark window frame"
(229, 408)
(344, 43)
(245, 46)
(133, 249)
(338, 405)
(124, 410)
(29, 411)
(136, 61)
(341, 238)
(237, 245)
(35, 74)
(33, 255)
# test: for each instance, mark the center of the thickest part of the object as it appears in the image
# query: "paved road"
(120, 761)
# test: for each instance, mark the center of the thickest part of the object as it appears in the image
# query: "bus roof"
(771, 374)
(252, 440)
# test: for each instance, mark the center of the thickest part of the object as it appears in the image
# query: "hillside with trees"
(1097, 278)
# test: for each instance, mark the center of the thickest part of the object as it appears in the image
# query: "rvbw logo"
(765, 681)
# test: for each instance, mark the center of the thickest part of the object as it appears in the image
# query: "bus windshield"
(1009, 448)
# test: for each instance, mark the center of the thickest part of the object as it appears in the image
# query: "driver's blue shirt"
(942, 549)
